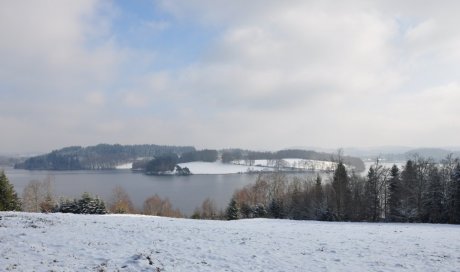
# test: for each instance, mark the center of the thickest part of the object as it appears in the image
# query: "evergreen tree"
(232, 210)
(372, 195)
(423, 168)
(358, 202)
(276, 208)
(433, 205)
(9, 200)
(409, 198)
(395, 194)
(298, 205)
(455, 196)
(85, 205)
(246, 210)
(341, 187)
(318, 198)
(260, 211)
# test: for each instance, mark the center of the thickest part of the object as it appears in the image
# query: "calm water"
(185, 193)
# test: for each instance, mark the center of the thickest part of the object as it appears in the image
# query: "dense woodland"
(422, 191)
(102, 156)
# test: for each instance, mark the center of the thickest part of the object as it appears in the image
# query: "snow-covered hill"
(246, 166)
(65, 242)
(290, 164)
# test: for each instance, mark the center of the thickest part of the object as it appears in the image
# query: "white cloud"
(276, 74)
(96, 98)
(324, 73)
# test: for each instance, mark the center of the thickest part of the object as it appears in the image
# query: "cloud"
(324, 73)
(157, 25)
(96, 98)
(272, 74)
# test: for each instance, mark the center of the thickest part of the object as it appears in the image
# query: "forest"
(102, 156)
(422, 191)
(160, 158)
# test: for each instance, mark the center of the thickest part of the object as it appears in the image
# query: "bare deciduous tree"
(38, 196)
(154, 205)
(121, 202)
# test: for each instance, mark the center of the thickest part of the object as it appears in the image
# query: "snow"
(290, 163)
(218, 167)
(128, 165)
(242, 166)
(65, 242)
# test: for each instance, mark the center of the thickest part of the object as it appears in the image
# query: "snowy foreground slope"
(64, 242)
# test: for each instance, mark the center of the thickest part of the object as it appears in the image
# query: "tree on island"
(162, 164)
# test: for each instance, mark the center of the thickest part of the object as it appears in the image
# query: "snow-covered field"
(244, 166)
(255, 166)
(287, 163)
(124, 166)
(219, 168)
(64, 242)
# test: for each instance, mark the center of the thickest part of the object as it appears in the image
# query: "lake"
(184, 192)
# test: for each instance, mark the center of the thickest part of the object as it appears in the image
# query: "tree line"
(230, 155)
(422, 191)
(38, 196)
(106, 156)
(102, 156)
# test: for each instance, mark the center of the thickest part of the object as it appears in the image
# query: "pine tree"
(372, 195)
(232, 210)
(318, 201)
(246, 210)
(85, 205)
(341, 187)
(276, 208)
(409, 198)
(433, 206)
(298, 206)
(455, 197)
(395, 191)
(358, 205)
(260, 211)
(9, 200)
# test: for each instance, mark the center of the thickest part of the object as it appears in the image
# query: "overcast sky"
(262, 74)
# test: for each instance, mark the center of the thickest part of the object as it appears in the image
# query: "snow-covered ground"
(245, 166)
(289, 163)
(64, 242)
(124, 166)
(219, 168)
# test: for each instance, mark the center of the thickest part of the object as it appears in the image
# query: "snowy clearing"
(288, 163)
(215, 168)
(66, 242)
(128, 165)
(243, 166)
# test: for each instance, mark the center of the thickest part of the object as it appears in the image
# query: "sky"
(256, 74)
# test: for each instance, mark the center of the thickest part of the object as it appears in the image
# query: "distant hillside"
(105, 156)
(238, 154)
(436, 154)
(102, 156)
(9, 160)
